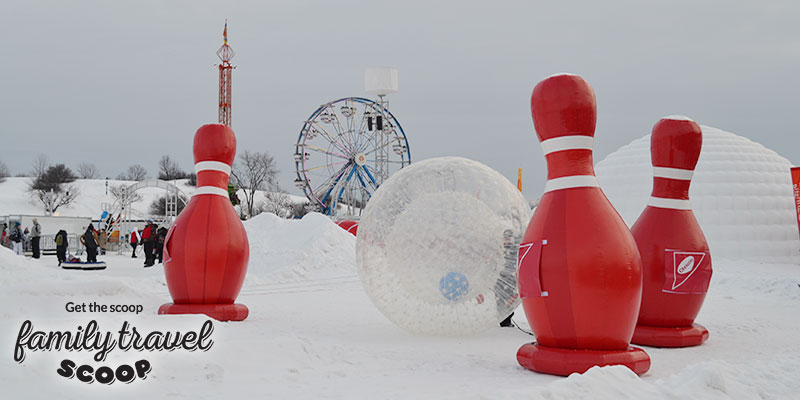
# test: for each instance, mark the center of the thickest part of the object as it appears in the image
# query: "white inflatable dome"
(437, 246)
(741, 193)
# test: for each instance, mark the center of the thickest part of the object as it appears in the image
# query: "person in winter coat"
(160, 238)
(154, 229)
(134, 242)
(26, 239)
(148, 240)
(36, 234)
(4, 235)
(16, 238)
(61, 246)
(89, 239)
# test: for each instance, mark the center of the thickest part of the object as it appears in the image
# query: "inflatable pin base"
(667, 336)
(220, 312)
(563, 362)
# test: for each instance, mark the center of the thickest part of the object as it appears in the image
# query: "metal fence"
(47, 244)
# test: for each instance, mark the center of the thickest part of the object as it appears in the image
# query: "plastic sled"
(87, 266)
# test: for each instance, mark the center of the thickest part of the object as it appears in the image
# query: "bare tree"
(169, 170)
(4, 172)
(277, 202)
(253, 171)
(135, 172)
(40, 166)
(87, 171)
(119, 193)
(52, 188)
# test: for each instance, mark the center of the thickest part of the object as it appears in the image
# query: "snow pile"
(291, 250)
(704, 380)
(741, 193)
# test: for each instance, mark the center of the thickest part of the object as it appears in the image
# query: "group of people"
(152, 240)
(20, 240)
(91, 239)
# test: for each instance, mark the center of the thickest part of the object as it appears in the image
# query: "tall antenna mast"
(225, 54)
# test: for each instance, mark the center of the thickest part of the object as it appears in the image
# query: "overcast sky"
(122, 82)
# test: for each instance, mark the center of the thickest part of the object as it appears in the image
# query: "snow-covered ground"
(313, 333)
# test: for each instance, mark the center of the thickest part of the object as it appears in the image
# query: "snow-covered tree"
(277, 202)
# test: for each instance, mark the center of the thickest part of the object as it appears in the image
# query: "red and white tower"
(225, 54)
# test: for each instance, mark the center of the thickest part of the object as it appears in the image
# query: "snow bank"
(290, 250)
(771, 379)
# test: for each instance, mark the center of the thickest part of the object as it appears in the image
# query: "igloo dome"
(741, 193)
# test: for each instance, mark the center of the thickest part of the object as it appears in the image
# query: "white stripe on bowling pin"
(212, 166)
(674, 204)
(211, 190)
(575, 142)
(569, 182)
(673, 173)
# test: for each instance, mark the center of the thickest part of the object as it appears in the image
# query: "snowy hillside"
(14, 198)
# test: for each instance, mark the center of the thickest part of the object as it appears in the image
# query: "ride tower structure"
(225, 54)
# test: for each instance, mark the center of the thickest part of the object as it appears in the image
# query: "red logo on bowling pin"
(590, 269)
(686, 272)
(206, 250)
(675, 258)
(528, 263)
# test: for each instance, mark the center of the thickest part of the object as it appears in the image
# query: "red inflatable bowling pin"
(206, 249)
(675, 258)
(580, 274)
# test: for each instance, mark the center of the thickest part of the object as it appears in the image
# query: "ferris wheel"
(346, 149)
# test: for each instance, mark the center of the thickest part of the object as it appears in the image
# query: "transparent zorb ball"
(437, 246)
